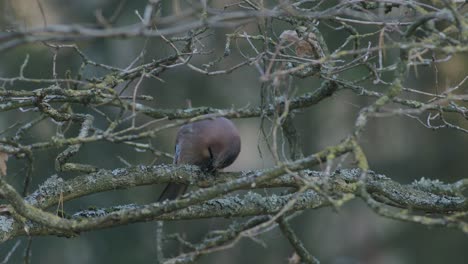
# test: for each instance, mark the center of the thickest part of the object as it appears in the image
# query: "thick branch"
(153, 210)
(415, 196)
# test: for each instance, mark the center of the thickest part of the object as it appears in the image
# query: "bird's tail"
(172, 191)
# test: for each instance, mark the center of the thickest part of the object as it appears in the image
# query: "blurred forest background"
(397, 146)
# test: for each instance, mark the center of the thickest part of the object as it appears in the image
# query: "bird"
(211, 144)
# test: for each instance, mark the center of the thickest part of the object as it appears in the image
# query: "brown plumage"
(211, 144)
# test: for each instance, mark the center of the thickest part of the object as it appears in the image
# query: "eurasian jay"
(210, 144)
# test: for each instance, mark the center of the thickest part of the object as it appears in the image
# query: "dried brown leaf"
(304, 49)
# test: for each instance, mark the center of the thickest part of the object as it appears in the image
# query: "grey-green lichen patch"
(435, 186)
(6, 223)
(273, 202)
(260, 201)
(143, 168)
(53, 186)
(252, 197)
(229, 204)
(312, 173)
(350, 175)
(90, 213)
(427, 182)
(33, 198)
(91, 179)
(96, 212)
(119, 172)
